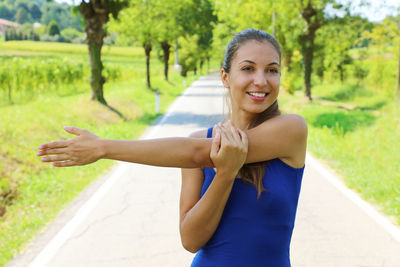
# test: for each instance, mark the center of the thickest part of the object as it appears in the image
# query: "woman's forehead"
(254, 50)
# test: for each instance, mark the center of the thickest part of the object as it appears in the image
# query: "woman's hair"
(252, 173)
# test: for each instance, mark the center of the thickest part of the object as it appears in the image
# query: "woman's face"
(254, 77)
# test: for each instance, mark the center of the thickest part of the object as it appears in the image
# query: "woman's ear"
(225, 78)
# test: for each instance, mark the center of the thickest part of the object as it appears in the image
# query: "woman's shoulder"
(294, 123)
(291, 118)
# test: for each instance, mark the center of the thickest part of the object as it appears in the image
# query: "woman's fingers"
(56, 158)
(226, 137)
(235, 133)
(64, 164)
(55, 144)
(244, 139)
(216, 143)
(74, 130)
(52, 151)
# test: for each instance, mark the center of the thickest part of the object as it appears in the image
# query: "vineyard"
(40, 92)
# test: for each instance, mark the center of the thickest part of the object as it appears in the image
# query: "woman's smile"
(257, 95)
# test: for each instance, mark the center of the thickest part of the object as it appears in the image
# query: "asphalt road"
(129, 217)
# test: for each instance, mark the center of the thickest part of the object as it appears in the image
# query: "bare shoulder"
(286, 139)
(293, 123)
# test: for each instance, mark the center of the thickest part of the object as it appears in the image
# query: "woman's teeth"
(257, 94)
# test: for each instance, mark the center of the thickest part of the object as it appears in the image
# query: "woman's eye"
(247, 68)
(273, 70)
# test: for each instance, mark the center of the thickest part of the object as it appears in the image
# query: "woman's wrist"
(102, 145)
(226, 174)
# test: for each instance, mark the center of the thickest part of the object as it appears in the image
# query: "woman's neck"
(242, 120)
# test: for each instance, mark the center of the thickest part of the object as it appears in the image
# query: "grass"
(356, 130)
(38, 48)
(39, 191)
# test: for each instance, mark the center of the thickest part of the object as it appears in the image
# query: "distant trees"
(22, 15)
(162, 22)
(138, 22)
(6, 12)
(53, 28)
(197, 20)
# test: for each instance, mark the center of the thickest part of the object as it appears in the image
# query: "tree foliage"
(53, 28)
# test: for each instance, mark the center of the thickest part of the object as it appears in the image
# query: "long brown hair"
(252, 173)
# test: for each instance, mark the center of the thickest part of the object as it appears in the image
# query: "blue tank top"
(254, 232)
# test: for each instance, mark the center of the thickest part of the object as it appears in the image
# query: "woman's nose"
(260, 79)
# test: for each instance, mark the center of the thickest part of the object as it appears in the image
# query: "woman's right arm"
(87, 148)
(200, 216)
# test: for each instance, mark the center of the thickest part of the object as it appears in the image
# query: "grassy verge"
(40, 191)
(357, 132)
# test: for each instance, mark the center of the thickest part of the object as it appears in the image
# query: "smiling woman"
(229, 222)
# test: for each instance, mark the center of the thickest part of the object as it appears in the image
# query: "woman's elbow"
(189, 246)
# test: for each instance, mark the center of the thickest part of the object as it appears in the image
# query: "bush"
(53, 28)
(55, 38)
(70, 34)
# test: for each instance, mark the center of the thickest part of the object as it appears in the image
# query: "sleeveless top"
(254, 232)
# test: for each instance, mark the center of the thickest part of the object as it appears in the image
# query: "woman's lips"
(257, 96)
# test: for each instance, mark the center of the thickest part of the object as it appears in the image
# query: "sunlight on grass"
(39, 191)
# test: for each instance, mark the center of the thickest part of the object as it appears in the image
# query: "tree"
(337, 39)
(137, 22)
(188, 53)
(96, 14)
(22, 15)
(62, 14)
(53, 28)
(313, 17)
(197, 17)
(5, 12)
(35, 11)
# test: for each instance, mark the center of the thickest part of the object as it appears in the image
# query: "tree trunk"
(341, 72)
(147, 49)
(166, 47)
(96, 16)
(9, 93)
(201, 65)
(97, 79)
(310, 15)
(307, 45)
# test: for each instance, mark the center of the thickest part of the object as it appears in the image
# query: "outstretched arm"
(283, 137)
(87, 148)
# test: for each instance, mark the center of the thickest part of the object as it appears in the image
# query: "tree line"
(41, 20)
(318, 37)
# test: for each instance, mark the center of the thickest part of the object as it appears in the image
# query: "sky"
(376, 10)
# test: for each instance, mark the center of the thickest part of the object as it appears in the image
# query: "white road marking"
(393, 230)
(50, 250)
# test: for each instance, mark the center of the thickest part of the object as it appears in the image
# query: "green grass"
(38, 191)
(356, 131)
(67, 48)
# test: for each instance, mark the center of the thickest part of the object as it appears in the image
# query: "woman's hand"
(81, 150)
(229, 149)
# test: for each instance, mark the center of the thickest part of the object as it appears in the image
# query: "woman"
(227, 221)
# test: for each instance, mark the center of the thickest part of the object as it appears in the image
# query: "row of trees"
(312, 39)
(31, 11)
(46, 33)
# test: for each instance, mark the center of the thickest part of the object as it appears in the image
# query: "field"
(355, 130)
(354, 127)
(50, 89)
